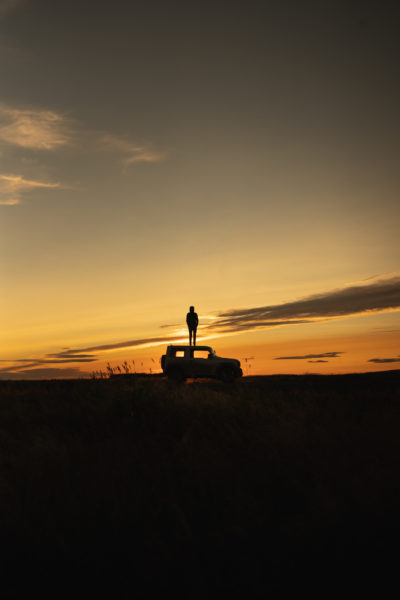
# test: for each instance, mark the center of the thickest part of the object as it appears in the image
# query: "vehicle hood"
(232, 361)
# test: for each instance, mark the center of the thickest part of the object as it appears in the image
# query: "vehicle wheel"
(227, 375)
(176, 375)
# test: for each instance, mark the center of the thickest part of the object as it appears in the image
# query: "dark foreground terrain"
(130, 486)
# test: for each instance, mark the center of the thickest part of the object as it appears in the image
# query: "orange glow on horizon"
(356, 352)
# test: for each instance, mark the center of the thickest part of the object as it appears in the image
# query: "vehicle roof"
(184, 346)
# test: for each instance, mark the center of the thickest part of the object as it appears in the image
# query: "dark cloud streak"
(244, 325)
(307, 356)
(130, 344)
(70, 373)
(361, 299)
(72, 354)
(83, 355)
(379, 361)
(31, 363)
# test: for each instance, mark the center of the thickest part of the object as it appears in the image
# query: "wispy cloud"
(320, 360)
(80, 355)
(22, 364)
(128, 344)
(384, 360)
(71, 355)
(44, 373)
(378, 296)
(33, 128)
(36, 129)
(13, 186)
(129, 152)
(306, 356)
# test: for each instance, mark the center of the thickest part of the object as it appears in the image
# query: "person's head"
(191, 308)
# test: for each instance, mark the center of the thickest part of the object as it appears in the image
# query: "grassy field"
(124, 485)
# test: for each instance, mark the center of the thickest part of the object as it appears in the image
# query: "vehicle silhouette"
(182, 361)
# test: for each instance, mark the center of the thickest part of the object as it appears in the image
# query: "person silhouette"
(192, 321)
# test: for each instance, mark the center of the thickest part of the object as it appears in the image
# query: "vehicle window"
(179, 353)
(200, 353)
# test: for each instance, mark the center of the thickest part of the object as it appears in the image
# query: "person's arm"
(196, 319)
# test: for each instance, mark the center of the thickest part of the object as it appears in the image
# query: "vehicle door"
(199, 363)
(177, 359)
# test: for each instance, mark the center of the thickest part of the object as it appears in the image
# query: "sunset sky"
(241, 157)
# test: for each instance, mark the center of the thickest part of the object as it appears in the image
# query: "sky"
(239, 157)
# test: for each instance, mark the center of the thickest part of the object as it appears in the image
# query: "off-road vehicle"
(180, 362)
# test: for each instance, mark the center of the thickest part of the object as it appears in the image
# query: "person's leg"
(190, 337)
(194, 336)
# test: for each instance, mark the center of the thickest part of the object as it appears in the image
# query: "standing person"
(192, 321)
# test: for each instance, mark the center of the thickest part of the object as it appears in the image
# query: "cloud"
(69, 373)
(29, 363)
(318, 361)
(378, 296)
(82, 355)
(323, 355)
(43, 129)
(384, 360)
(21, 365)
(13, 186)
(130, 344)
(237, 325)
(131, 153)
(72, 354)
(33, 128)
